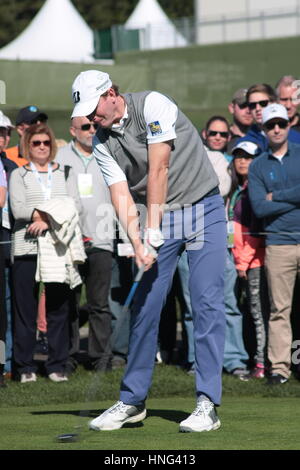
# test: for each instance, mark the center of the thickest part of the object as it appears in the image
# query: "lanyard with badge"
(84, 180)
(45, 189)
(230, 222)
(5, 213)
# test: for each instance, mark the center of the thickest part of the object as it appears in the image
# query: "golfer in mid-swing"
(149, 152)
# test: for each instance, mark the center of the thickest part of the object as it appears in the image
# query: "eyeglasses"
(224, 135)
(262, 104)
(38, 143)
(86, 127)
(271, 125)
(242, 106)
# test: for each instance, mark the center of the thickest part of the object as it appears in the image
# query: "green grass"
(247, 423)
(253, 415)
(168, 381)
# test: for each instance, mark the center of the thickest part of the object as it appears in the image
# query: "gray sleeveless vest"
(191, 175)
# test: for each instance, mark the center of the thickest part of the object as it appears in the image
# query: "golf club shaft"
(136, 281)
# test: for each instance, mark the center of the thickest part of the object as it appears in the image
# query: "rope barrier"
(243, 233)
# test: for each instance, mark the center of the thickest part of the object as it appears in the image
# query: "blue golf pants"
(201, 229)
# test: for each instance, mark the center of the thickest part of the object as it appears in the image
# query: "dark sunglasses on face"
(262, 104)
(86, 127)
(271, 125)
(214, 133)
(38, 143)
(242, 106)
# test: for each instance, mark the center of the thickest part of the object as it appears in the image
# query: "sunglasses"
(271, 125)
(214, 133)
(86, 127)
(262, 104)
(38, 143)
(242, 106)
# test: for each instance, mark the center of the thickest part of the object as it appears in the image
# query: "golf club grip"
(140, 273)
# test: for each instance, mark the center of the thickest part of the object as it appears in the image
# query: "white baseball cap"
(5, 121)
(249, 147)
(273, 111)
(87, 88)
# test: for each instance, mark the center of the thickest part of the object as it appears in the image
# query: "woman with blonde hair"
(37, 182)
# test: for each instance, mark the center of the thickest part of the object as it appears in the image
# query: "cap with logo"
(29, 115)
(239, 96)
(274, 111)
(87, 88)
(249, 147)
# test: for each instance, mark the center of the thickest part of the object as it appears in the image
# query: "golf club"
(136, 281)
(74, 437)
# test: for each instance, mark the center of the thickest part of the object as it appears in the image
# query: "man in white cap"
(5, 123)
(150, 152)
(259, 96)
(274, 190)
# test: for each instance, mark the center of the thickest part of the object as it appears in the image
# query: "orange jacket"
(248, 251)
(13, 153)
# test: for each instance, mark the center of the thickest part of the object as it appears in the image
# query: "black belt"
(213, 192)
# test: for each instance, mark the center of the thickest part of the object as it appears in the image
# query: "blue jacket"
(281, 216)
(255, 135)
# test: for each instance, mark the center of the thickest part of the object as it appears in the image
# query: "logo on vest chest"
(155, 128)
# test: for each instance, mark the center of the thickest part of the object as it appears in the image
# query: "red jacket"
(248, 246)
(248, 251)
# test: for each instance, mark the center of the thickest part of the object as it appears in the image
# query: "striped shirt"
(26, 194)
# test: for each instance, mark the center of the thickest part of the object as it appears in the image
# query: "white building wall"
(218, 21)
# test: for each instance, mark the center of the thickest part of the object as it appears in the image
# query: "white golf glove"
(153, 239)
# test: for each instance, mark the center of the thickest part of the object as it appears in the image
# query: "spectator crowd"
(60, 246)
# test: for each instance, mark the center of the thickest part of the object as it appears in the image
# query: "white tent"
(57, 34)
(156, 30)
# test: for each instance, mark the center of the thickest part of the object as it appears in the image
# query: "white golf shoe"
(118, 415)
(28, 377)
(203, 418)
(58, 377)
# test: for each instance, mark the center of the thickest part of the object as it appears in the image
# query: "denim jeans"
(235, 355)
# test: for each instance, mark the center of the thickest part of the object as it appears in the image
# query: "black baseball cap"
(29, 115)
